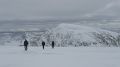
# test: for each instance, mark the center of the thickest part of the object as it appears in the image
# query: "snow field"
(11, 56)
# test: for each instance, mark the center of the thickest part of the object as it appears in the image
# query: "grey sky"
(32, 9)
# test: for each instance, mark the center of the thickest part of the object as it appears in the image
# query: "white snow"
(64, 35)
(59, 57)
(77, 28)
(67, 33)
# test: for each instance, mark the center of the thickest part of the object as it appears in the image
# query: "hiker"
(53, 44)
(26, 45)
(43, 44)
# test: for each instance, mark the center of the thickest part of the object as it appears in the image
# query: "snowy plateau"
(75, 46)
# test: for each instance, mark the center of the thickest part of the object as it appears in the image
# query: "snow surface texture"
(64, 35)
(59, 57)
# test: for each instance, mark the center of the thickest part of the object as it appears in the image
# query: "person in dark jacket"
(53, 44)
(26, 45)
(43, 44)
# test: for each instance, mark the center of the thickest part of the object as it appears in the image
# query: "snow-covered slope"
(72, 34)
(64, 35)
(79, 31)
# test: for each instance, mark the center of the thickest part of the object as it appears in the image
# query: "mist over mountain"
(44, 24)
(35, 15)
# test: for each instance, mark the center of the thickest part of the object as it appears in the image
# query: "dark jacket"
(25, 43)
(43, 43)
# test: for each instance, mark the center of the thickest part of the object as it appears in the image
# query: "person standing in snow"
(53, 44)
(43, 44)
(26, 45)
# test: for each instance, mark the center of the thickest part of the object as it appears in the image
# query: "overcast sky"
(33, 9)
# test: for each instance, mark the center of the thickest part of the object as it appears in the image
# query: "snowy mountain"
(79, 35)
(64, 35)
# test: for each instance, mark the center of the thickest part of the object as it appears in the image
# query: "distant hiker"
(43, 44)
(26, 45)
(53, 44)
